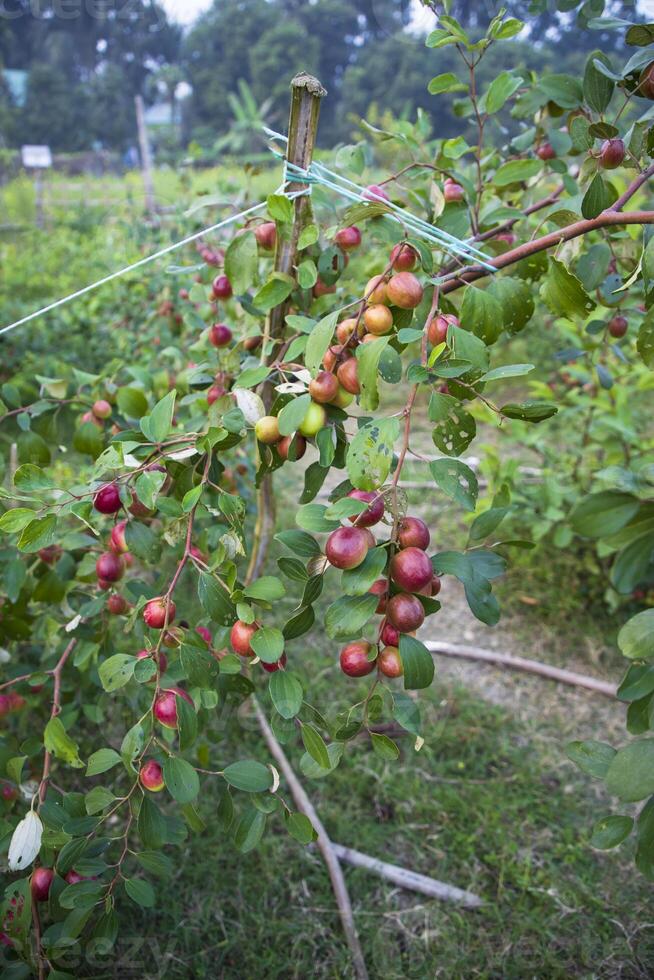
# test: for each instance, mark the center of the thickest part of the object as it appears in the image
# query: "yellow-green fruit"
(267, 430)
(342, 398)
(313, 421)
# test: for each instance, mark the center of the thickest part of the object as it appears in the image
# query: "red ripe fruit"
(151, 775)
(5, 705)
(348, 375)
(40, 883)
(435, 585)
(389, 636)
(51, 554)
(373, 514)
(354, 659)
(437, 329)
(220, 335)
(214, 393)
(322, 289)
(117, 605)
(278, 664)
(221, 287)
(452, 192)
(266, 235)
(411, 569)
(183, 293)
(405, 612)
(390, 662)
(159, 658)
(284, 445)
(618, 326)
(240, 637)
(373, 192)
(380, 588)
(107, 499)
(205, 634)
(16, 701)
(117, 540)
(348, 238)
(404, 258)
(412, 532)
(612, 154)
(165, 707)
(545, 151)
(154, 613)
(9, 793)
(324, 387)
(110, 567)
(404, 290)
(101, 409)
(347, 547)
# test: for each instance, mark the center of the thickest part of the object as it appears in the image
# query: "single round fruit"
(107, 499)
(404, 257)
(252, 343)
(324, 387)
(299, 447)
(154, 613)
(354, 659)
(545, 151)
(348, 238)
(266, 429)
(110, 567)
(612, 154)
(380, 587)
(220, 335)
(346, 547)
(313, 421)
(151, 775)
(322, 289)
(221, 287)
(205, 634)
(241, 636)
(214, 393)
(390, 662)
(412, 532)
(9, 793)
(378, 319)
(348, 375)
(435, 585)
(165, 707)
(345, 329)
(389, 636)
(404, 290)
(90, 417)
(101, 409)
(117, 605)
(183, 293)
(618, 326)
(411, 569)
(331, 357)
(117, 539)
(646, 82)
(40, 883)
(277, 665)
(437, 329)
(375, 291)
(405, 612)
(374, 192)
(343, 398)
(452, 192)
(373, 514)
(51, 554)
(266, 235)
(173, 637)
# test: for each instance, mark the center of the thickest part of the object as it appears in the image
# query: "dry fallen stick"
(521, 663)
(408, 879)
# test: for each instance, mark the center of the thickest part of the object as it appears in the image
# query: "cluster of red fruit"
(410, 574)
(42, 878)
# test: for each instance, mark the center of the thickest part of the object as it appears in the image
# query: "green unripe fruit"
(313, 421)
(267, 431)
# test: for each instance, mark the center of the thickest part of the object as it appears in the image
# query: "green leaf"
(455, 428)
(132, 402)
(39, 533)
(315, 746)
(157, 864)
(280, 208)
(312, 770)
(215, 600)
(370, 453)
(384, 746)
(300, 827)
(299, 542)
(249, 830)
(32, 478)
(630, 776)
(529, 411)
(157, 425)
(116, 671)
(356, 581)
(481, 314)
(16, 519)
(292, 414)
(151, 824)
(101, 761)
(645, 342)
(311, 517)
(417, 661)
(597, 198)
(307, 274)
(59, 743)
(515, 171)
(565, 90)
(598, 89)
(241, 261)
(141, 892)
(278, 288)
(267, 587)
(249, 776)
(98, 799)
(500, 89)
(348, 615)
(507, 371)
(456, 480)
(636, 638)
(368, 357)
(516, 302)
(611, 831)
(406, 712)
(602, 514)
(308, 236)
(637, 683)
(268, 644)
(286, 693)
(591, 756)
(564, 294)
(447, 82)
(318, 341)
(181, 779)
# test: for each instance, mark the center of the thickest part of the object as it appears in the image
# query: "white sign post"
(37, 158)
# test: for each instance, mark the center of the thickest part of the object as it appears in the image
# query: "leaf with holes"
(456, 480)
(455, 428)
